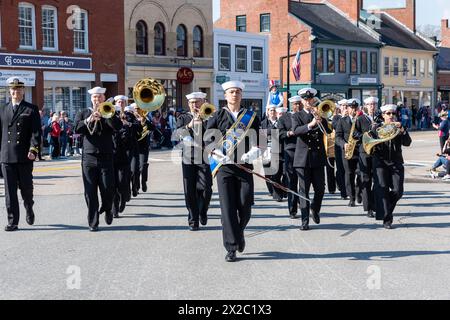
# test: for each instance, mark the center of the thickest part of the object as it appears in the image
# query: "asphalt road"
(149, 253)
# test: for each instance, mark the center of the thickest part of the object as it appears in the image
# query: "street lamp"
(290, 39)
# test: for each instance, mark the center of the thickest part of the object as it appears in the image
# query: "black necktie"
(15, 108)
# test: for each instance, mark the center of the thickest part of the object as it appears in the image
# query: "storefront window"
(68, 99)
(78, 101)
(3, 96)
(48, 98)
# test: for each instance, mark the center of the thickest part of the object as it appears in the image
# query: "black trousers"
(331, 177)
(135, 172)
(274, 172)
(122, 175)
(292, 180)
(352, 180)
(388, 184)
(340, 171)
(442, 141)
(98, 175)
(17, 175)
(366, 174)
(236, 190)
(143, 167)
(197, 182)
(306, 178)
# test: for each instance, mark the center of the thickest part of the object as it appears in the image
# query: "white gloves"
(267, 156)
(187, 140)
(220, 157)
(252, 155)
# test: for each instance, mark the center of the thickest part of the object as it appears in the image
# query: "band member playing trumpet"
(97, 161)
(338, 151)
(344, 138)
(289, 141)
(364, 124)
(235, 186)
(310, 157)
(389, 172)
(197, 179)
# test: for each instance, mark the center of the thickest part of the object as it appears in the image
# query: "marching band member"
(143, 150)
(272, 168)
(364, 124)
(235, 186)
(352, 181)
(389, 172)
(338, 152)
(289, 141)
(97, 159)
(133, 152)
(20, 136)
(310, 157)
(122, 140)
(197, 179)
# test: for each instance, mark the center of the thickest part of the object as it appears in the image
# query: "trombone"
(106, 110)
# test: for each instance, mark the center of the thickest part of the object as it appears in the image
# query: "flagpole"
(288, 69)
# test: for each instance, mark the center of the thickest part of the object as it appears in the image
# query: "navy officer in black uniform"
(389, 172)
(310, 157)
(197, 179)
(97, 160)
(20, 136)
(235, 186)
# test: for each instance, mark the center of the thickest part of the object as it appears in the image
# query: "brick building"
(443, 64)
(62, 50)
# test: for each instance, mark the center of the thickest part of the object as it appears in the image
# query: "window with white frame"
(257, 60)
(430, 68)
(49, 28)
(422, 68)
(27, 26)
(80, 32)
(241, 58)
(224, 57)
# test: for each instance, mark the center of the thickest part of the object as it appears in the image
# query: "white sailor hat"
(131, 107)
(121, 97)
(196, 95)
(389, 107)
(16, 82)
(353, 102)
(281, 109)
(342, 102)
(271, 106)
(307, 93)
(233, 84)
(400, 103)
(97, 90)
(295, 99)
(371, 100)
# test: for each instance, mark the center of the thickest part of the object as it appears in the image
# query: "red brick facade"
(280, 24)
(406, 15)
(105, 35)
(445, 30)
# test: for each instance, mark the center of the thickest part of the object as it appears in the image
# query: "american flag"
(296, 66)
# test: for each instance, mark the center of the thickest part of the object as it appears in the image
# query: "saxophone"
(351, 142)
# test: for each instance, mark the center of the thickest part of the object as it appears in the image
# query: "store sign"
(222, 79)
(413, 82)
(28, 76)
(444, 88)
(185, 75)
(355, 81)
(44, 62)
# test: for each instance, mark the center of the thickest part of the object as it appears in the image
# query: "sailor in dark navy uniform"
(310, 156)
(389, 171)
(20, 136)
(289, 141)
(197, 179)
(235, 186)
(97, 160)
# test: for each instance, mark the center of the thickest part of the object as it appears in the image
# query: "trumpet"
(106, 109)
(206, 111)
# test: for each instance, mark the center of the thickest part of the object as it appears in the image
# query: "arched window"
(181, 41)
(198, 42)
(160, 39)
(141, 38)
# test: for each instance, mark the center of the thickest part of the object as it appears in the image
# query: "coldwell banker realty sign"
(44, 62)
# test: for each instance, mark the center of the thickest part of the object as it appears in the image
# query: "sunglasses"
(390, 113)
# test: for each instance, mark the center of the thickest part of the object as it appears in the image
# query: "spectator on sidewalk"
(64, 137)
(55, 135)
(443, 128)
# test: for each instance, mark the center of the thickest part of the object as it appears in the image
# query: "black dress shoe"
(109, 218)
(241, 247)
(388, 225)
(315, 216)
(293, 215)
(100, 211)
(370, 214)
(116, 215)
(358, 199)
(194, 227)
(93, 229)
(304, 227)
(231, 256)
(352, 203)
(10, 228)
(30, 217)
(344, 198)
(135, 193)
(144, 186)
(204, 220)
(122, 206)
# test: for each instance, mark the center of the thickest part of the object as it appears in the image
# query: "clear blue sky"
(428, 11)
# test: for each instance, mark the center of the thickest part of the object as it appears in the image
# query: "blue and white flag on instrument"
(296, 66)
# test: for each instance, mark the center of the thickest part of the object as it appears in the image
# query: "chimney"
(406, 15)
(445, 31)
